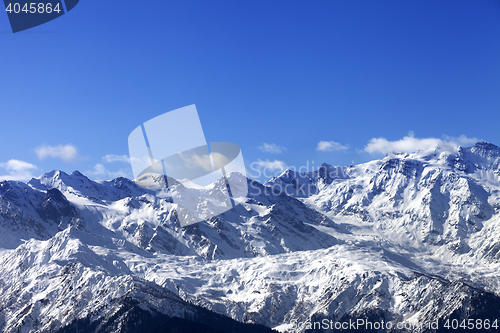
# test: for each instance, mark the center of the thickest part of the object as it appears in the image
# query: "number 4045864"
(471, 324)
(33, 8)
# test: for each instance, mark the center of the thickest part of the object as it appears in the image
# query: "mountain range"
(410, 239)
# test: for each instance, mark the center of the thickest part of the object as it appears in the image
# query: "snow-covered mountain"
(433, 197)
(411, 238)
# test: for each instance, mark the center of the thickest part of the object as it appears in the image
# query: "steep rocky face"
(55, 207)
(19, 219)
(28, 213)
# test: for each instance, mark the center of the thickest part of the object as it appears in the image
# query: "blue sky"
(289, 81)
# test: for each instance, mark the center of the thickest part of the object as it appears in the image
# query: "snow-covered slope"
(62, 285)
(408, 238)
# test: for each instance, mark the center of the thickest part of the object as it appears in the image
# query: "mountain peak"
(485, 149)
(77, 173)
(54, 174)
(486, 145)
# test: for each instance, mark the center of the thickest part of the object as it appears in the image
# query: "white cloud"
(219, 159)
(137, 164)
(271, 148)
(100, 172)
(462, 140)
(330, 146)
(266, 169)
(195, 161)
(410, 144)
(67, 153)
(110, 158)
(271, 165)
(18, 170)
